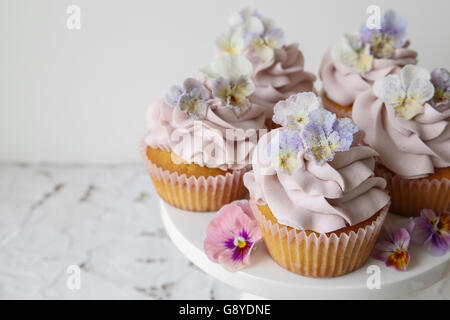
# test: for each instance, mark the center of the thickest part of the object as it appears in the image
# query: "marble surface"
(104, 219)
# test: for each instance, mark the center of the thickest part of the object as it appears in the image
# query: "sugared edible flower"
(293, 112)
(191, 98)
(324, 135)
(262, 45)
(392, 247)
(433, 231)
(440, 77)
(351, 52)
(250, 30)
(390, 36)
(407, 93)
(231, 42)
(231, 236)
(285, 151)
(231, 81)
(248, 20)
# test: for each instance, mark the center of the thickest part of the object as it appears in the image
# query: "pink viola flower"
(433, 231)
(231, 236)
(392, 247)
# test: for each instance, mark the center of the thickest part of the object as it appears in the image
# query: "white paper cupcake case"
(410, 196)
(195, 194)
(319, 256)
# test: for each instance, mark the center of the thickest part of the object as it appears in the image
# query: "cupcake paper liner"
(410, 196)
(341, 112)
(321, 255)
(192, 193)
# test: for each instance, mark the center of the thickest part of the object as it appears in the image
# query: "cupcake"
(200, 137)
(314, 194)
(352, 65)
(406, 119)
(278, 68)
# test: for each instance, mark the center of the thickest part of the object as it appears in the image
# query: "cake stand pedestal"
(267, 280)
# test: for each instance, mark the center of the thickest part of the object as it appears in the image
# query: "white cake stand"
(266, 279)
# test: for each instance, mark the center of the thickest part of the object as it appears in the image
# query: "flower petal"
(420, 91)
(440, 77)
(411, 72)
(324, 118)
(422, 231)
(229, 67)
(293, 112)
(231, 42)
(437, 245)
(191, 83)
(343, 52)
(389, 89)
(402, 238)
(428, 214)
(383, 249)
(394, 25)
(253, 25)
(354, 41)
(173, 95)
(399, 260)
(345, 128)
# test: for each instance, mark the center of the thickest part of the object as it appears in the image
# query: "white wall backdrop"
(81, 95)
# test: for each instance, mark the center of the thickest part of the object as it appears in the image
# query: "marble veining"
(105, 220)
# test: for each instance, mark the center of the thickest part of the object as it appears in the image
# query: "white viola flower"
(351, 52)
(231, 42)
(249, 20)
(231, 81)
(293, 112)
(406, 93)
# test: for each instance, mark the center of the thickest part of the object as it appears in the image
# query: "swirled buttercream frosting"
(281, 77)
(219, 140)
(322, 197)
(411, 148)
(342, 84)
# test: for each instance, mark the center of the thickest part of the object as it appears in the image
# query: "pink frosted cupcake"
(278, 68)
(200, 138)
(313, 191)
(406, 119)
(351, 66)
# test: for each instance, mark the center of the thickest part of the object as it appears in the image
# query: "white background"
(80, 96)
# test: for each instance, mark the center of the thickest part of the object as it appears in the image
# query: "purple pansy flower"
(231, 236)
(325, 134)
(191, 98)
(284, 150)
(393, 244)
(261, 45)
(433, 230)
(440, 77)
(390, 36)
(240, 245)
(260, 34)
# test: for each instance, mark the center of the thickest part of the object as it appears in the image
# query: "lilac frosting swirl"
(343, 84)
(205, 142)
(410, 148)
(319, 197)
(280, 78)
